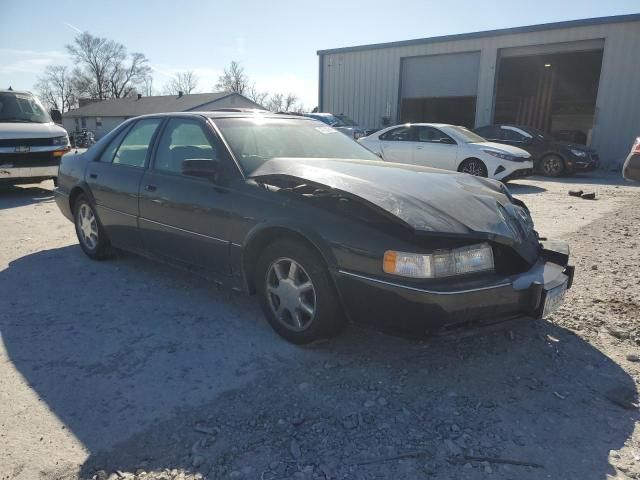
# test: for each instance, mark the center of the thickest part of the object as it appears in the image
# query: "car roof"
(422, 124)
(223, 114)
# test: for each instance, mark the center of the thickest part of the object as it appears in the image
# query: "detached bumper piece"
(525, 172)
(459, 304)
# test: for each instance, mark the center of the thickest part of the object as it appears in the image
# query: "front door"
(114, 180)
(182, 217)
(435, 149)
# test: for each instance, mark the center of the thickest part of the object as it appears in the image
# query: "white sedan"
(449, 147)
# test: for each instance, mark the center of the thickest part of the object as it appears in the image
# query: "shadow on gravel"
(152, 369)
(17, 196)
(521, 189)
(589, 178)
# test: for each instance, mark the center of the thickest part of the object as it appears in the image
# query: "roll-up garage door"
(432, 76)
(440, 88)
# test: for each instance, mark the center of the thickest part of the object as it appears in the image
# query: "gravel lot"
(129, 369)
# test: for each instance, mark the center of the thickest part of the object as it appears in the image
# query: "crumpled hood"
(9, 130)
(426, 199)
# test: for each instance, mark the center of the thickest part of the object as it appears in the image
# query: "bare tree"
(233, 79)
(147, 86)
(185, 82)
(289, 102)
(56, 89)
(279, 102)
(124, 78)
(103, 71)
(252, 93)
(276, 102)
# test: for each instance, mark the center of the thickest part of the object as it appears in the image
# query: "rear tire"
(552, 166)
(296, 292)
(474, 166)
(91, 236)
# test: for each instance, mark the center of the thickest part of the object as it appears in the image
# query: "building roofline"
(632, 17)
(220, 98)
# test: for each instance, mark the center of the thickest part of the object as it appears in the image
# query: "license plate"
(22, 149)
(554, 298)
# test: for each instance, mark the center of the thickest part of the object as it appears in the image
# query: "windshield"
(328, 119)
(347, 121)
(21, 107)
(463, 134)
(256, 140)
(538, 133)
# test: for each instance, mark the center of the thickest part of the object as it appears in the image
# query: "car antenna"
(10, 89)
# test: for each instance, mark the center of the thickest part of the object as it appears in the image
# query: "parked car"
(631, 168)
(551, 157)
(30, 143)
(341, 122)
(315, 224)
(449, 147)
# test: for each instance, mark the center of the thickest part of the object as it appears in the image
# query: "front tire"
(296, 292)
(552, 166)
(474, 166)
(91, 236)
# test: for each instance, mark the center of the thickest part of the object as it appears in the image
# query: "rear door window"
(134, 148)
(109, 152)
(400, 134)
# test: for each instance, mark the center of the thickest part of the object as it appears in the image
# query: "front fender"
(263, 233)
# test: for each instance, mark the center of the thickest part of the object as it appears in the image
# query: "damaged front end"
(428, 212)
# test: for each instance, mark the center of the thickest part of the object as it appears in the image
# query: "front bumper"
(506, 171)
(22, 173)
(406, 307)
(523, 173)
(40, 162)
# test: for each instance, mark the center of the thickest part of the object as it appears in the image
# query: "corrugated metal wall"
(364, 84)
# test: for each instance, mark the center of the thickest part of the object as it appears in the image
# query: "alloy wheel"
(474, 167)
(291, 294)
(552, 166)
(87, 226)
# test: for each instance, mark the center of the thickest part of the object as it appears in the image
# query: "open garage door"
(552, 88)
(440, 88)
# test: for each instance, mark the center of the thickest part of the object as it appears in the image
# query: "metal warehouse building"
(578, 79)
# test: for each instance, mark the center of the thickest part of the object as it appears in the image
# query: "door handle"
(93, 175)
(150, 188)
(419, 147)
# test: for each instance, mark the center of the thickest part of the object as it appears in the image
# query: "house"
(103, 116)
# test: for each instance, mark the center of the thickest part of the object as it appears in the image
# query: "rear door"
(183, 218)
(398, 144)
(114, 180)
(435, 149)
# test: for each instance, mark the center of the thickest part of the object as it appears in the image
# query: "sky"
(275, 41)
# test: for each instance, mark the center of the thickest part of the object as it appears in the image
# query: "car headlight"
(503, 156)
(61, 141)
(444, 263)
(578, 153)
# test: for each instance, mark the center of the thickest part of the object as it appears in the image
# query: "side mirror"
(56, 116)
(201, 167)
(448, 141)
